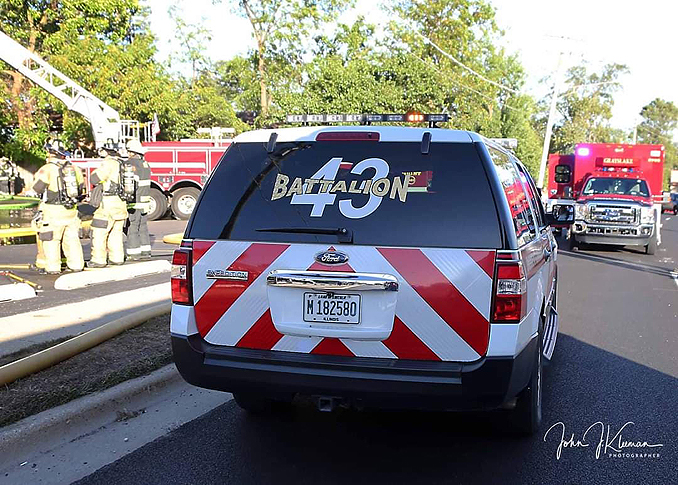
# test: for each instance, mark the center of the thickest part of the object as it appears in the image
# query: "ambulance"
(368, 265)
(615, 191)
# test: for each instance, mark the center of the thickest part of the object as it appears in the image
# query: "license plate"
(331, 308)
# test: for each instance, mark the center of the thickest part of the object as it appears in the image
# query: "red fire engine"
(616, 191)
(179, 169)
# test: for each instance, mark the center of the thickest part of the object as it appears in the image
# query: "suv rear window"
(385, 193)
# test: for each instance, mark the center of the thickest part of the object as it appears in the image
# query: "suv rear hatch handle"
(338, 281)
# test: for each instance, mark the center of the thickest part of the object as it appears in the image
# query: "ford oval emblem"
(331, 257)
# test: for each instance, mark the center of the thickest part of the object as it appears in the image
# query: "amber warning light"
(415, 117)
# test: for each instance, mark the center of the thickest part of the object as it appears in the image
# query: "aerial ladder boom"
(105, 121)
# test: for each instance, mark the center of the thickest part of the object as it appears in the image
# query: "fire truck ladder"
(105, 121)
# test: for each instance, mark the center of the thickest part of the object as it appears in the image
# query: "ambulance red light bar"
(411, 117)
(619, 169)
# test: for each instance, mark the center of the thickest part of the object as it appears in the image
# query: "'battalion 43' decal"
(377, 187)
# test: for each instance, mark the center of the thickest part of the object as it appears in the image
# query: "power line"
(461, 64)
(656, 133)
(465, 86)
(576, 86)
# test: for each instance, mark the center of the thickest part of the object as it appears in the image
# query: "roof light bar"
(369, 118)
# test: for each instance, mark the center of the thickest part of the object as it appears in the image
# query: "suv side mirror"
(560, 214)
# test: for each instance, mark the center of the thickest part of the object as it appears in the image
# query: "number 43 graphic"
(329, 172)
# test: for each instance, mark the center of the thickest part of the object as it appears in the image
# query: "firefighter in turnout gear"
(6, 176)
(40, 264)
(109, 219)
(61, 186)
(11, 182)
(138, 240)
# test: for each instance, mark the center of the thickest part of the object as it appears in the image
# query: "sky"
(642, 35)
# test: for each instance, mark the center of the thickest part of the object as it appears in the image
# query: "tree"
(237, 82)
(658, 125)
(198, 101)
(660, 118)
(104, 45)
(192, 39)
(585, 109)
(475, 81)
(280, 29)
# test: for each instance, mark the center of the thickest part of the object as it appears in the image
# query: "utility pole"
(551, 119)
(635, 134)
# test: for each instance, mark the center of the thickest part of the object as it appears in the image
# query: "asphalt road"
(25, 254)
(615, 362)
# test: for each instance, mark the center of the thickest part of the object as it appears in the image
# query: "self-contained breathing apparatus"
(127, 185)
(126, 189)
(128, 182)
(70, 192)
(69, 189)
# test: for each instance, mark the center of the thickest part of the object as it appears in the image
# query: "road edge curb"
(85, 408)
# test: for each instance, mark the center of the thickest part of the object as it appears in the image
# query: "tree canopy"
(659, 123)
(433, 56)
(107, 47)
(585, 108)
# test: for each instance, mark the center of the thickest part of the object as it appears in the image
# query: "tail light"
(510, 299)
(181, 277)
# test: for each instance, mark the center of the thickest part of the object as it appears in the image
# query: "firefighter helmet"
(56, 147)
(110, 147)
(135, 146)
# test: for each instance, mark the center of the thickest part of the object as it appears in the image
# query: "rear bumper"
(485, 384)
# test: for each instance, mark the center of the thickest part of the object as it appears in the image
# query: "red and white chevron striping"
(442, 311)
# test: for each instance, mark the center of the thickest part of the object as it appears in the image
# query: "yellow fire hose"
(53, 355)
(13, 266)
(16, 232)
(173, 238)
(19, 279)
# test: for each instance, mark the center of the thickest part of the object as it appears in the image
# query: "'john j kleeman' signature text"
(602, 440)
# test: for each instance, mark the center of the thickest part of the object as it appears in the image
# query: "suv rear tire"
(527, 415)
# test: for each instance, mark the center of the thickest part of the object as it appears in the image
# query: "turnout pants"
(40, 261)
(107, 243)
(107, 225)
(138, 239)
(58, 234)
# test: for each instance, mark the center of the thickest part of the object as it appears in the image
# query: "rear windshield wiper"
(343, 234)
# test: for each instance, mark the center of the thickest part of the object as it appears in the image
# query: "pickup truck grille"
(613, 214)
